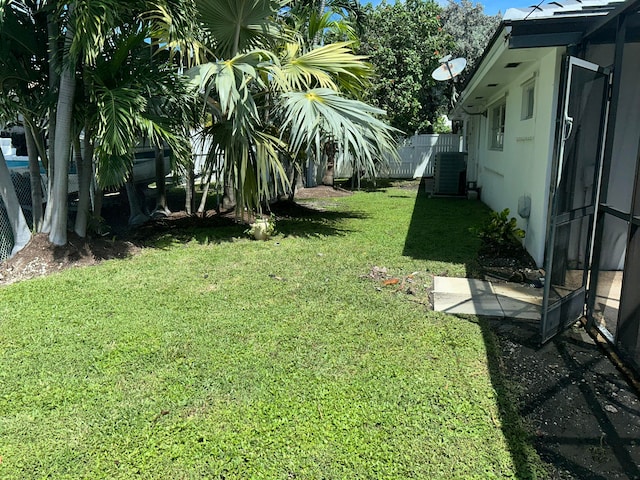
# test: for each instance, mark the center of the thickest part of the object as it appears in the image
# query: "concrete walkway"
(479, 297)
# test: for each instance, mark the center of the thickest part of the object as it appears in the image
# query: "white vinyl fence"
(417, 156)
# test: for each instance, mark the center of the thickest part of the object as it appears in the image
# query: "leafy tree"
(470, 29)
(404, 42)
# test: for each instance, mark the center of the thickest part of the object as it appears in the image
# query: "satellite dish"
(449, 68)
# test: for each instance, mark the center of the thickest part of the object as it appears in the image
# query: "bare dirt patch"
(322, 191)
(40, 257)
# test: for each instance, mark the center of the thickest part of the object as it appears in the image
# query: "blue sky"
(491, 7)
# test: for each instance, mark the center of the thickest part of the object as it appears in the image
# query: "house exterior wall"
(523, 167)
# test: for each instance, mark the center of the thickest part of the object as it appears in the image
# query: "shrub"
(500, 233)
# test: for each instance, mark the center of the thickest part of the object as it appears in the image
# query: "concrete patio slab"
(519, 308)
(479, 304)
(461, 286)
(526, 294)
(479, 297)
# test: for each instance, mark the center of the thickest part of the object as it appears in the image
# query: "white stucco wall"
(523, 166)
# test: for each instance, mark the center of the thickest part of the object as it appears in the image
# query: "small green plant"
(262, 228)
(500, 232)
(97, 226)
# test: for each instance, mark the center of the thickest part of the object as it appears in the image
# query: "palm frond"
(235, 26)
(318, 116)
(93, 23)
(251, 161)
(332, 66)
(116, 131)
(231, 84)
(174, 28)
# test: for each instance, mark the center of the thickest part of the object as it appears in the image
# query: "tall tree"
(471, 30)
(84, 27)
(23, 85)
(404, 41)
(256, 121)
(82, 40)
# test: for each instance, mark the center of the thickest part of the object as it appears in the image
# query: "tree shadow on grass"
(292, 219)
(440, 230)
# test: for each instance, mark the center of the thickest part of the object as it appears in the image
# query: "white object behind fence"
(417, 156)
(6, 147)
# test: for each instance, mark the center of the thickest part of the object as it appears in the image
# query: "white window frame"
(528, 99)
(497, 114)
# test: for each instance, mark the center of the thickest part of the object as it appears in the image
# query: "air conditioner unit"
(450, 173)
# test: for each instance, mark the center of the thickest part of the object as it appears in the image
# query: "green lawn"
(215, 356)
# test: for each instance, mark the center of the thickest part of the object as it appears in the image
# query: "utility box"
(450, 173)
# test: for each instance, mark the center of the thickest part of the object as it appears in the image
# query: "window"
(496, 140)
(528, 96)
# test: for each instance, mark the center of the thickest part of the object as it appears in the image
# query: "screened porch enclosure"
(593, 243)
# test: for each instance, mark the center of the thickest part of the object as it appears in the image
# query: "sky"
(491, 7)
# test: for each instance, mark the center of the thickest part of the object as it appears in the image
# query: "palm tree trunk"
(161, 187)
(97, 199)
(19, 227)
(229, 199)
(58, 201)
(54, 81)
(205, 192)
(190, 200)
(85, 173)
(58, 204)
(318, 37)
(36, 179)
(329, 174)
(136, 214)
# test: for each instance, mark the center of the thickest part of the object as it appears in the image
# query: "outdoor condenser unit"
(450, 173)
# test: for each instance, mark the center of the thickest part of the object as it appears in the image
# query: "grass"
(214, 356)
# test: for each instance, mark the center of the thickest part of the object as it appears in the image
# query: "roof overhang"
(500, 66)
(523, 38)
(566, 31)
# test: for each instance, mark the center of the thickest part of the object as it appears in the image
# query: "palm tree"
(251, 95)
(87, 32)
(132, 98)
(84, 27)
(23, 86)
(322, 115)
